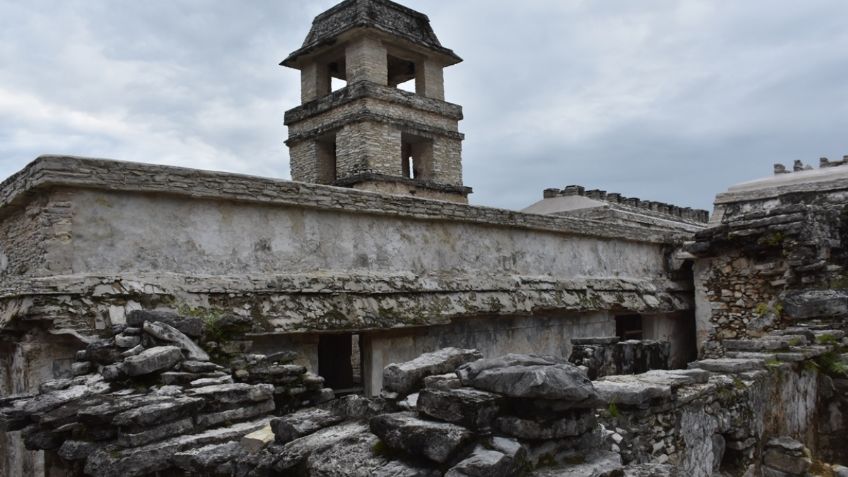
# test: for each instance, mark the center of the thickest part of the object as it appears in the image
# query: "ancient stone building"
(153, 319)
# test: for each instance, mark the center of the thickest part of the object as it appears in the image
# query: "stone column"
(430, 80)
(367, 60)
(314, 82)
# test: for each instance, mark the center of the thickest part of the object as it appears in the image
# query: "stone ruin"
(148, 401)
(364, 320)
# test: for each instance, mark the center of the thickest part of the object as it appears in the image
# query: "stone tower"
(370, 135)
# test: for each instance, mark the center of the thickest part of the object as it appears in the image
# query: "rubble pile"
(608, 355)
(149, 399)
(449, 413)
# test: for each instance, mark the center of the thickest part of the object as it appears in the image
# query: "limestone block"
(152, 360)
(525, 376)
(256, 441)
(405, 377)
(436, 441)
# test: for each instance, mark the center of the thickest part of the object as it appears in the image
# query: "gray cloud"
(669, 100)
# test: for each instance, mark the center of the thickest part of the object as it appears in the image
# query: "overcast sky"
(670, 100)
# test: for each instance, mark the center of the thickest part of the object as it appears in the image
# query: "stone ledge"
(99, 174)
(367, 89)
(424, 184)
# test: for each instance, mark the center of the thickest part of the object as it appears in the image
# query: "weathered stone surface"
(127, 341)
(245, 410)
(302, 423)
(156, 433)
(405, 377)
(631, 392)
(484, 463)
(76, 450)
(257, 440)
(596, 464)
(145, 460)
(728, 365)
(152, 360)
(208, 457)
(191, 366)
(158, 413)
(295, 453)
(234, 393)
(803, 305)
(103, 352)
(524, 376)
(570, 426)
(355, 456)
(467, 407)
(442, 382)
(192, 327)
(790, 464)
(170, 334)
(437, 441)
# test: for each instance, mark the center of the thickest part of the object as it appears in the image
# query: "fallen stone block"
(807, 304)
(170, 334)
(111, 461)
(295, 453)
(571, 426)
(728, 365)
(405, 377)
(204, 460)
(484, 463)
(302, 423)
(234, 393)
(436, 441)
(158, 412)
(257, 440)
(525, 376)
(189, 326)
(442, 382)
(595, 464)
(152, 360)
(467, 407)
(631, 393)
(242, 412)
(154, 434)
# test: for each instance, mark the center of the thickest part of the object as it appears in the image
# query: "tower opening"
(400, 72)
(326, 165)
(416, 156)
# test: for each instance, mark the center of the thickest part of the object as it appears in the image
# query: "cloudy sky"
(670, 100)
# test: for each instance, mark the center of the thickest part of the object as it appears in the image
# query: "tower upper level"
(371, 135)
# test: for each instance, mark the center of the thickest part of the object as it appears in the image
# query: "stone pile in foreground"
(148, 399)
(449, 413)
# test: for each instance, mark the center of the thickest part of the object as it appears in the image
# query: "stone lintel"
(367, 89)
(423, 184)
(358, 117)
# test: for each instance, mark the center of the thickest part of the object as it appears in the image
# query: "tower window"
(416, 157)
(326, 159)
(401, 73)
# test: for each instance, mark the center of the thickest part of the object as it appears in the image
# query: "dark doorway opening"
(628, 327)
(340, 362)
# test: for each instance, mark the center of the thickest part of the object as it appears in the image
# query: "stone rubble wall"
(765, 247)
(603, 356)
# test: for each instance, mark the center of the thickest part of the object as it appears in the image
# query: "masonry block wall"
(765, 248)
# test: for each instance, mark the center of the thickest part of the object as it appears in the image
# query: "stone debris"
(406, 377)
(164, 406)
(436, 441)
